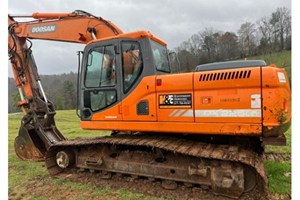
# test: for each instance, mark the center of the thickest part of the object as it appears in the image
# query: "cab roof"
(133, 35)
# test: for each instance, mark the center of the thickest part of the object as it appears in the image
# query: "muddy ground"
(145, 186)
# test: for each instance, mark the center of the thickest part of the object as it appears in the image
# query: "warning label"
(175, 101)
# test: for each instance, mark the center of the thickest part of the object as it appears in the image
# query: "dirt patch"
(153, 188)
(45, 187)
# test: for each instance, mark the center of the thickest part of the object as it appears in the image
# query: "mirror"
(174, 59)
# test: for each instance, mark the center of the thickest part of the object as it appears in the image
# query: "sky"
(172, 21)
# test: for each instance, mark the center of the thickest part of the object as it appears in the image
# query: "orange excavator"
(206, 127)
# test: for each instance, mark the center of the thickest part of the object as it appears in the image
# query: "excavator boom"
(77, 27)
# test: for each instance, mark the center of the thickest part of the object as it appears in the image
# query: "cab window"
(132, 64)
(160, 54)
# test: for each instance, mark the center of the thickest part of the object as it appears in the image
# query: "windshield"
(160, 54)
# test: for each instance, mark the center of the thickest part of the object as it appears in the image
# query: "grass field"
(281, 59)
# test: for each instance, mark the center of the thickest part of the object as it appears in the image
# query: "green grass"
(281, 59)
(279, 177)
(68, 123)
(279, 180)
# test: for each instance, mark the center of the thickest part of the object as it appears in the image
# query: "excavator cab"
(112, 69)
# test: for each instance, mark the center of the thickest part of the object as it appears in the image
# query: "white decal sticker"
(281, 77)
(255, 101)
(217, 113)
(228, 113)
(43, 29)
(110, 117)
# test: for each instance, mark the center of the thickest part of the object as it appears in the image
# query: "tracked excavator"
(207, 127)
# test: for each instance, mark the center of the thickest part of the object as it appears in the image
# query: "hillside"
(281, 59)
(60, 89)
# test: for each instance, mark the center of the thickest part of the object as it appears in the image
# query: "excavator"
(206, 128)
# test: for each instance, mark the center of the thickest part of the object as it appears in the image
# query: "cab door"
(100, 86)
(138, 86)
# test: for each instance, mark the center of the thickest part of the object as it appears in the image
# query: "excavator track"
(228, 170)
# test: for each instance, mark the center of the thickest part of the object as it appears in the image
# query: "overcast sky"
(172, 21)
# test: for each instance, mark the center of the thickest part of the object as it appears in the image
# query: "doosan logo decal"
(43, 29)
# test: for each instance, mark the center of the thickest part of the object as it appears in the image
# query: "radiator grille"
(219, 76)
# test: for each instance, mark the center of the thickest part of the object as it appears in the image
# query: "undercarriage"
(226, 169)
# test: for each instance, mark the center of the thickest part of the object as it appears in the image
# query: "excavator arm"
(38, 130)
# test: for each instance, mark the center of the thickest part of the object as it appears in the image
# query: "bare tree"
(228, 45)
(208, 43)
(283, 25)
(247, 38)
(265, 33)
(195, 44)
(186, 55)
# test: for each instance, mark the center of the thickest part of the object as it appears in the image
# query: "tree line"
(268, 34)
(60, 89)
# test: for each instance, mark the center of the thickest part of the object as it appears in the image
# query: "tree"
(209, 42)
(195, 44)
(265, 32)
(281, 25)
(15, 99)
(69, 95)
(228, 45)
(284, 25)
(247, 38)
(187, 60)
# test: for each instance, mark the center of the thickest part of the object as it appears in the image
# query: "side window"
(160, 54)
(99, 99)
(132, 63)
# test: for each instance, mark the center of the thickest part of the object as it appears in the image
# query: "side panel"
(228, 96)
(175, 97)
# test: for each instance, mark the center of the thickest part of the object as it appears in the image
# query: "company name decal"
(43, 29)
(175, 101)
